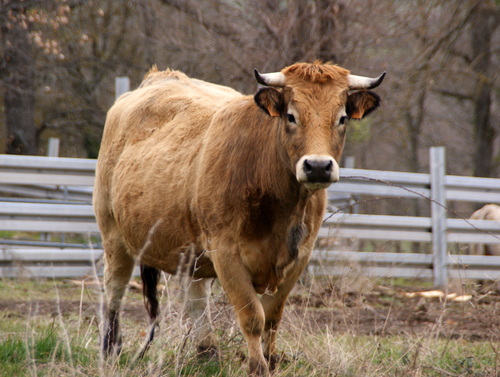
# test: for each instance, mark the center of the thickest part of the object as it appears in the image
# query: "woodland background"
(59, 59)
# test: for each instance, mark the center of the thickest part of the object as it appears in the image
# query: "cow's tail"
(150, 277)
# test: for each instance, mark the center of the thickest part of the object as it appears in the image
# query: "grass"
(44, 354)
(53, 330)
(38, 350)
(70, 238)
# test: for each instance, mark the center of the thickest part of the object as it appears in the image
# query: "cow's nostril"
(329, 166)
(307, 167)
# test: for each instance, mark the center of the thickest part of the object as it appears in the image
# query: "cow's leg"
(150, 277)
(273, 308)
(199, 312)
(118, 267)
(237, 284)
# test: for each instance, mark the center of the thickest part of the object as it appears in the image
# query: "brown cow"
(488, 212)
(198, 178)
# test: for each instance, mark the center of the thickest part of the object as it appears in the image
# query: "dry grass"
(52, 328)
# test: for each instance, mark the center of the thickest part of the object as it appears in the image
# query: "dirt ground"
(387, 311)
(381, 309)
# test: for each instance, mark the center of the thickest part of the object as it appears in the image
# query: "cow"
(199, 179)
(488, 212)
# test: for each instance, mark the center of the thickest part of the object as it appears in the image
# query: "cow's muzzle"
(317, 171)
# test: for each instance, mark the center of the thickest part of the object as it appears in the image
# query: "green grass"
(8, 234)
(71, 238)
(37, 350)
(399, 356)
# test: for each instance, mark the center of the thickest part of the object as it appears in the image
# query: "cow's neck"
(245, 169)
(274, 199)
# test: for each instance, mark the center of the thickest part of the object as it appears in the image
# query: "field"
(342, 327)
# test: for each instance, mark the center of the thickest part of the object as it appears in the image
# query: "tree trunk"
(149, 22)
(483, 25)
(19, 92)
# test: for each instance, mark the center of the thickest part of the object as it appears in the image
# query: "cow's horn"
(270, 79)
(360, 82)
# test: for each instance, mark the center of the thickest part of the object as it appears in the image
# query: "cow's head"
(315, 102)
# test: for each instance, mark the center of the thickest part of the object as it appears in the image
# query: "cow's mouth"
(316, 186)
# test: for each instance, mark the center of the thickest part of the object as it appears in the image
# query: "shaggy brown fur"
(315, 73)
(196, 177)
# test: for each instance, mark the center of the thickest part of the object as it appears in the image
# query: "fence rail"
(47, 217)
(56, 196)
(408, 265)
(43, 262)
(406, 228)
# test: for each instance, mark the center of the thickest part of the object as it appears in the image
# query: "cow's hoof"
(258, 369)
(113, 350)
(112, 345)
(207, 352)
(273, 360)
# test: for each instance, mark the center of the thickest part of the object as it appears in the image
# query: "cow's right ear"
(360, 104)
(270, 100)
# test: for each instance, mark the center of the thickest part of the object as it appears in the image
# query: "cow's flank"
(196, 178)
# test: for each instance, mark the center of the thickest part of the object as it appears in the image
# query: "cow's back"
(148, 157)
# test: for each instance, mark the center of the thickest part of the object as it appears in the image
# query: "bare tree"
(267, 34)
(440, 55)
(444, 62)
(17, 77)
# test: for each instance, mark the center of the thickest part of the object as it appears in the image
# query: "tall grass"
(65, 342)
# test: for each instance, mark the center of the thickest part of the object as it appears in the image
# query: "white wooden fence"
(62, 191)
(438, 230)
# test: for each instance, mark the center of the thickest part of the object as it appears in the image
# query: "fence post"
(53, 147)
(438, 217)
(52, 151)
(350, 163)
(122, 85)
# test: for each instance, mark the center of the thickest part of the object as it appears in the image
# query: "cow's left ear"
(270, 100)
(360, 104)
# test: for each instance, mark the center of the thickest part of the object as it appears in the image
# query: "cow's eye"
(343, 119)
(291, 118)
